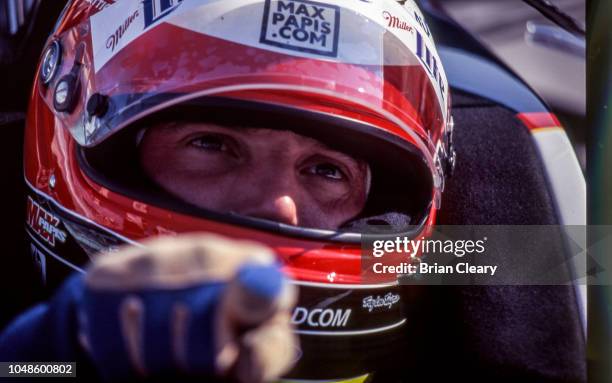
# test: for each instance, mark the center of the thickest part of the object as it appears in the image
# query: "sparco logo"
(301, 25)
(396, 23)
(44, 223)
(321, 317)
(113, 39)
(387, 301)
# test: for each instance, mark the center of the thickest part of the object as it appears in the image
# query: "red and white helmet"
(360, 76)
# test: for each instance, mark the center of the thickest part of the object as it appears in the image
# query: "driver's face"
(271, 174)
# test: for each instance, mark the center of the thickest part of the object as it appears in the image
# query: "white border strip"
(564, 174)
(569, 192)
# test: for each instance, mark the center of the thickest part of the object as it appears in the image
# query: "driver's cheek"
(326, 206)
(339, 202)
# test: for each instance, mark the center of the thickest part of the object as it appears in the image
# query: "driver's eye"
(210, 142)
(327, 170)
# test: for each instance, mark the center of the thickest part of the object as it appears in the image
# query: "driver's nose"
(281, 209)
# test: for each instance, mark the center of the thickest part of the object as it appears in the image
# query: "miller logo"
(301, 25)
(113, 39)
(395, 22)
(45, 224)
(155, 10)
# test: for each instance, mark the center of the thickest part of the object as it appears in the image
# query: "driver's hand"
(189, 305)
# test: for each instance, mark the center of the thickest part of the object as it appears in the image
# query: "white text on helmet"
(321, 317)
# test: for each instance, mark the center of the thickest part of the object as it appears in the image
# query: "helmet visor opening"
(401, 183)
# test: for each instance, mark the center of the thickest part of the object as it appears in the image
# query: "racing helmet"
(362, 77)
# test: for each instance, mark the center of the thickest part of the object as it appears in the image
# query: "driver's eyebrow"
(178, 125)
(341, 156)
(316, 144)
